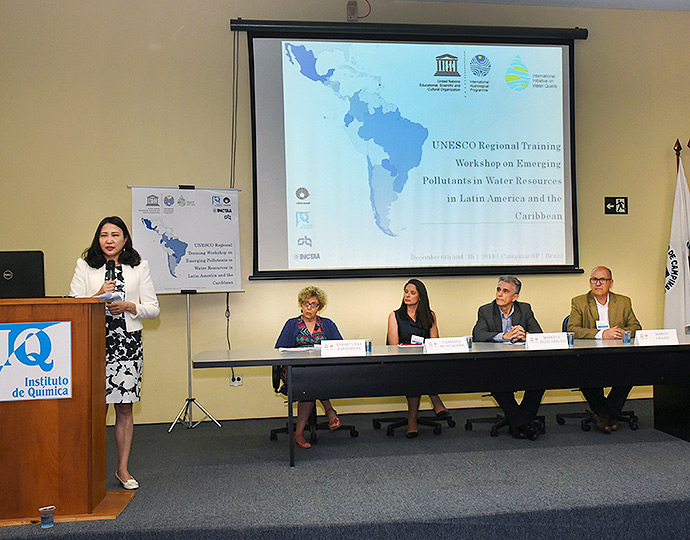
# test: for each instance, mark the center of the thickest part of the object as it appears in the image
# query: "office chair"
(312, 424)
(399, 421)
(499, 421)
(587, 417)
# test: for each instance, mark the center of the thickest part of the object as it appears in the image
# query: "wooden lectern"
(53, 450)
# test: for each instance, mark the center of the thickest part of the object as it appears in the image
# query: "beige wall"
(96, 95)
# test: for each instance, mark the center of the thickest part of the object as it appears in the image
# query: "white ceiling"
(675, 5)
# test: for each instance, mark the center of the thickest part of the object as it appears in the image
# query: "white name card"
(446, 345)
(549, 340)
(656, 337)
(343, 347)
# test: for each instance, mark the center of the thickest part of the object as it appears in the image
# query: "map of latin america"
(397, 141)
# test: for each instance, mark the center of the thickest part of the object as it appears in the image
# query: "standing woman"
(123, 346)
(414, 318)
(307, 330)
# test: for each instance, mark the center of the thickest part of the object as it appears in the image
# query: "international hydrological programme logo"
(35, 360)
(517, 76)
(480, 66)
(446, 66)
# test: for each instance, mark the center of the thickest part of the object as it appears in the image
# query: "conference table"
(398, 371)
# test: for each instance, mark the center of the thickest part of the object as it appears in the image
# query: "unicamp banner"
(190, 237)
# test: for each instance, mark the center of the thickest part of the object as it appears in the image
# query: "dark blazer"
(489, 320)
(584, 315)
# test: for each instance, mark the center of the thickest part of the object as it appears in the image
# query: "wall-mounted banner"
(35, 361)
(190, 237)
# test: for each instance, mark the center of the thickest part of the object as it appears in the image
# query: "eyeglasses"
(599, 281)
(310, 304)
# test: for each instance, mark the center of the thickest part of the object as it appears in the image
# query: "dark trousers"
(609, 406)
(522, 414)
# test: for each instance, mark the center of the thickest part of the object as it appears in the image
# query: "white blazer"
(138, 289)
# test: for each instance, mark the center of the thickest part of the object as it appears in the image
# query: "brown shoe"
(602, 424)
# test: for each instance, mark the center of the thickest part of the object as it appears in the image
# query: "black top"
(407, 328)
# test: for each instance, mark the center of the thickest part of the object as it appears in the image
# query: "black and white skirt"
(124, 355)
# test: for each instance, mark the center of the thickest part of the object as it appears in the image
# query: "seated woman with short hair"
(306, 330)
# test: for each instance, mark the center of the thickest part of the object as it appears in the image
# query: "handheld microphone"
(109, 270)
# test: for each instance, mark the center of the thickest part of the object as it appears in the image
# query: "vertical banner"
(35, 361)
(190, 237)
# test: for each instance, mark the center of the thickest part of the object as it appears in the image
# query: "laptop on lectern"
(21, 274)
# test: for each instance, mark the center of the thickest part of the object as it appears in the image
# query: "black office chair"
(400, 421)
(312, 424)
(499, 421)
(587, 417)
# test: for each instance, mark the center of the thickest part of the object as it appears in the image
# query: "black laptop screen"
(21, 274)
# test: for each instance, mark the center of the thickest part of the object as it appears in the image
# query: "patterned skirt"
(124, 355)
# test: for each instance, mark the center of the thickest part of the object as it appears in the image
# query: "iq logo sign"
(35, 361)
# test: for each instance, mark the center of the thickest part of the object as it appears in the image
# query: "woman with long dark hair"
(112, 265)
(414, 318)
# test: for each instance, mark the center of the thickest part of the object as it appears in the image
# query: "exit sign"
(615, 205)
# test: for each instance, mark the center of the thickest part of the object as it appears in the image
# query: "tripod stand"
(185, 414)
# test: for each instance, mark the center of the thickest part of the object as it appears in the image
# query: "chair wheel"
(273, 437)
(494, 432)
(354, 433)
(390, 431)
(451, 423)
(634, 419)
(376, 423)
(468, 426)
(585, 426)
(560, 420)
(634, 426)
(437, 430)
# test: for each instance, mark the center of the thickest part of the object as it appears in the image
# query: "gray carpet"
(233, 482)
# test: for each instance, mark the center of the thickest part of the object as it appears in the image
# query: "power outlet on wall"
(236, 379)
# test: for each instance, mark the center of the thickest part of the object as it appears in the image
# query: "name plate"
(656, 337)
(343, 347)
(549, 340)
(446, 345)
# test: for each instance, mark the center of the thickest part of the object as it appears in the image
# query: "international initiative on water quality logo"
(35, 361)
(517, 76)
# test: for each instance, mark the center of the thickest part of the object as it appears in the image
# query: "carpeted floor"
(233, 482)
